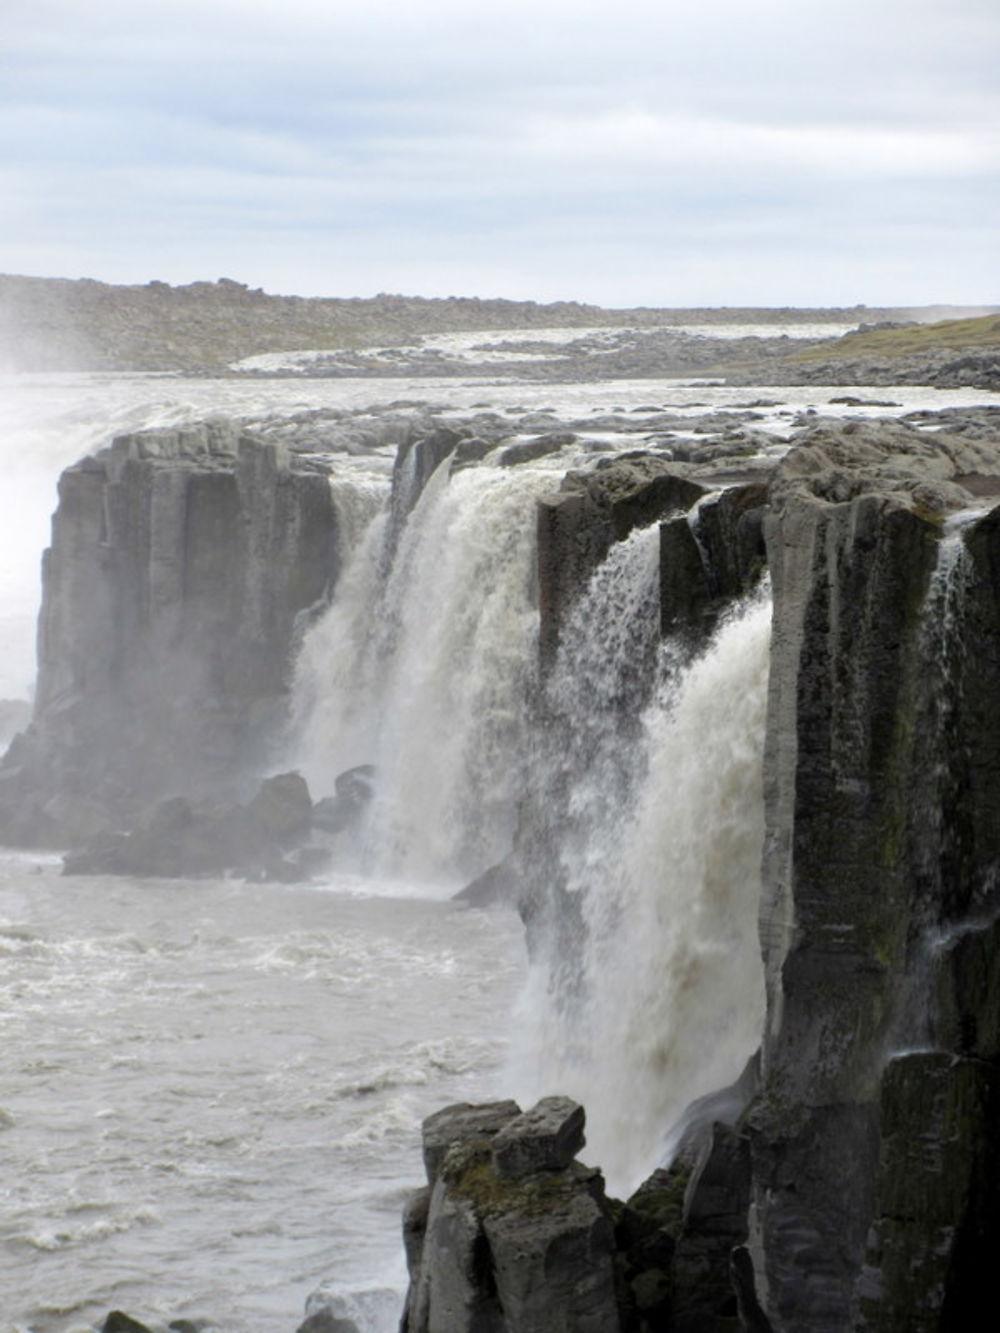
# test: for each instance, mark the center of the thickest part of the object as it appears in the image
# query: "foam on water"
(213, 1091)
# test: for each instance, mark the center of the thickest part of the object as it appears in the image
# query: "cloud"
(152, 140)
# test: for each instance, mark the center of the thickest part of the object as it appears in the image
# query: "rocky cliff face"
(180, 562)
(875, 847)
(859, 1186)
(861, 1180)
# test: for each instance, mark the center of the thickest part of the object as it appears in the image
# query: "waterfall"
(604, 672)
(424, 667)
(641, 772)
(330, 671)
(670, 1001)
(942, 647)
(936, 796)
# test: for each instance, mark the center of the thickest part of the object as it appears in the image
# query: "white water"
(425, 671)
(672, 998)
(212, 1091)
(605, 665)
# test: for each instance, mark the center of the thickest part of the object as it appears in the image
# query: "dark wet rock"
(646, 1231)
(181, 838)
(325, 1321)
(118, 1322)
(526, 1254)
(937, 1206)
(540, 447)
(459, 1124)
(415, 1213)
(546, 1138)
(281, 811)
(849, 400)
(354, 789)
(715, 1221)
(472, 449)
(180, 566)
(877, 828)
(710, 558)
(498, 886)
(752, 1318)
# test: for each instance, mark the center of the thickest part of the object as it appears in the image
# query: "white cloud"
(544, 142)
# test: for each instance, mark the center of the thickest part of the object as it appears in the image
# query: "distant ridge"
(82, 324)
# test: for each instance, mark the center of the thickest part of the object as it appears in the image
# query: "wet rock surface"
(875, 764)
(182, 839)
(513, 1234)
(531, 1252)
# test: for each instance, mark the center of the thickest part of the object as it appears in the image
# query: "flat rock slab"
(546, 1138)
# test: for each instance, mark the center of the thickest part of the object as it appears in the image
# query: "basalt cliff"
(849, 1180)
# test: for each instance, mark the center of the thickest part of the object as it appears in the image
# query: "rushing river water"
(212, 1091)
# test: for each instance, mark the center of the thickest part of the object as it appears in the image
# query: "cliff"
(858, 1188)
(180, 563)
(849, 1181)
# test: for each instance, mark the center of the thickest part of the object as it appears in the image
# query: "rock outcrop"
(180, 565)
(880, 790)
(511, 1234)
(179, 838)
(861, 1187)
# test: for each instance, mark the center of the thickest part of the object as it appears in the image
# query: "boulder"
(325, 1321)
(496, 886)
(118, 1322)
(462, 1123)
(354, 789)
(546, 1138)
(540, 447)
(281, 811)
(183, 838)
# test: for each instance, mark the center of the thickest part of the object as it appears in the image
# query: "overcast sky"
(738, 151)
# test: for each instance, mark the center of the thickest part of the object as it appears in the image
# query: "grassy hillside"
(945, 335)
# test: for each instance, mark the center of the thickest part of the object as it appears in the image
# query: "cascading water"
(604, 671)
(668, 1000)
(936, 794)
(425, 670)
(424, 666)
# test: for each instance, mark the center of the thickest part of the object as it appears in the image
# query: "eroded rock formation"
(861, 1186)
(180, 562)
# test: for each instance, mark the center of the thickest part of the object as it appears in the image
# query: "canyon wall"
(849, 1181)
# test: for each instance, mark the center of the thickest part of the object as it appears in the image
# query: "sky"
(762, 152)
